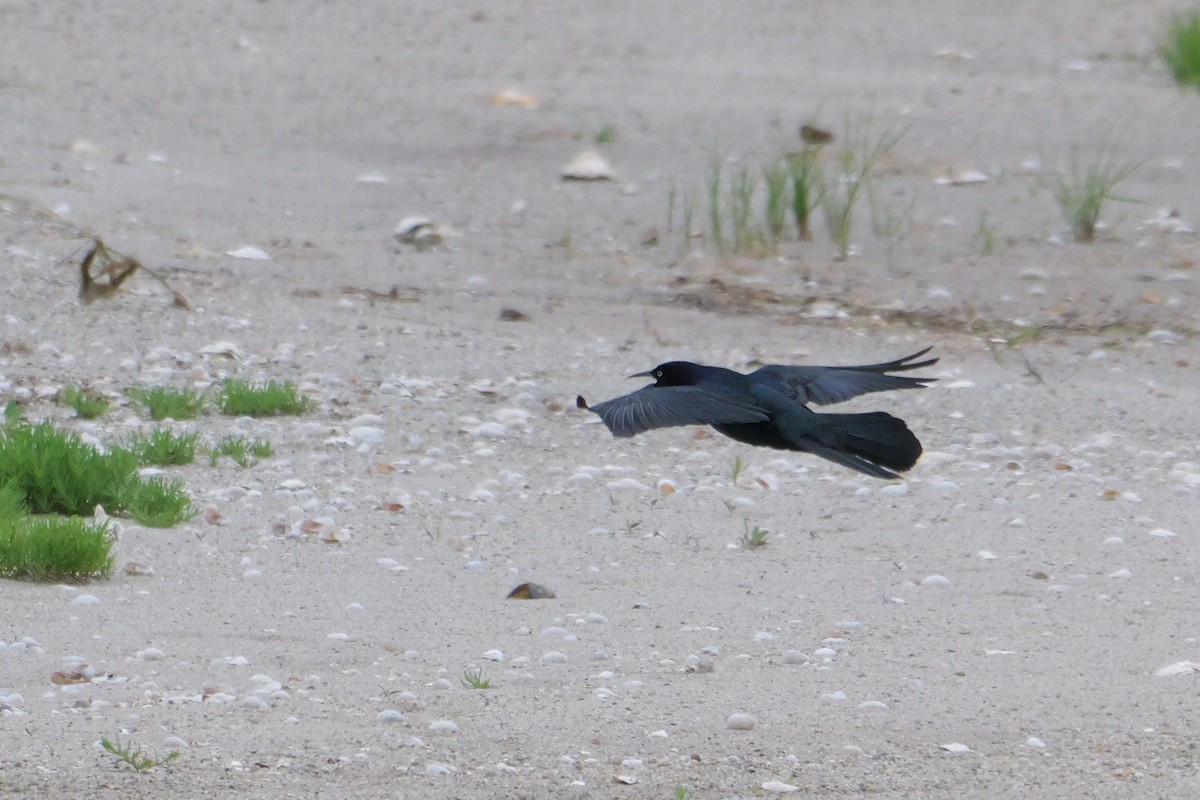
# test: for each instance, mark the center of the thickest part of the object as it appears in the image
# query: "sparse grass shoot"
(133, 755)
(88, 404)
(857, 156)
(244, 452)
(607, 134)
(1180, 49)
(1083, 193)
(241, 398)
(807, 185)
(473, 679)
(754, 538)
(737, 469)
(163, 402)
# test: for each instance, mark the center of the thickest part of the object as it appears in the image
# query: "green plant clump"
(163, 402)
(240, 398)
(1180, 49)
(87, 404)
(57, 473)
(164, 448)
(50, 548)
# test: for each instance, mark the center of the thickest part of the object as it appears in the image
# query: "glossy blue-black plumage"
(768, 408)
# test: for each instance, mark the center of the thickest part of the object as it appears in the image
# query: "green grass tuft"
(244, 452)
(163, 402)
(50, 548)
(87, 404)
(1180, 49)
(164, 448)
(240, 398)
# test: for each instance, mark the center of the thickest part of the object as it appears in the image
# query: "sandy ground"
(1061, 440)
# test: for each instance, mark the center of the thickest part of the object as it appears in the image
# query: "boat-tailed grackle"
(769, 408)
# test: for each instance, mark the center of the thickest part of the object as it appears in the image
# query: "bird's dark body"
(768, 408)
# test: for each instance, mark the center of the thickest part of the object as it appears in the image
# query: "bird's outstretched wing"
(667, 406)
(825, 385)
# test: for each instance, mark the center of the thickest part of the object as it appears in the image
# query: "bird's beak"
(646, 374)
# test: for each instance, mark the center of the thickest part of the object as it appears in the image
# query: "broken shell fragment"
(515, 98)
(587, 166)
(421, 232)
(531, 591)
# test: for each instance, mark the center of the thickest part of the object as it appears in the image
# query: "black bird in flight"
(769, 407)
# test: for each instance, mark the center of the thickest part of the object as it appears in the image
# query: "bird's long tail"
(875, 443)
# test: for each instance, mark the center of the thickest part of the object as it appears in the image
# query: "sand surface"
(1057, 497)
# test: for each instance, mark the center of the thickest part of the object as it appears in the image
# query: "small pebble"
(390, 715)
(443, 726)
(554, 657)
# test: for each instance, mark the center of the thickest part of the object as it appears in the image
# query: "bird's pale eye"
(658, 373)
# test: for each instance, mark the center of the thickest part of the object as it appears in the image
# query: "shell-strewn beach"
(1016, 618)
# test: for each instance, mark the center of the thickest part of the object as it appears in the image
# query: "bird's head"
(673, 373)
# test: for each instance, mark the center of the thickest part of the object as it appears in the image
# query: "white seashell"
(628, 780)
(1164, 336)
(935, 580)
(494, 655)
(1163, 533)
(86, 600)
(870, 705)
(1034, 741)
(779, 787)
(1168, 220)
(249, 253)
(1178, 668)
(956, 747)
(372, 177)
(964, 178)
(587, 166)
(741, 722)
(227, 349)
